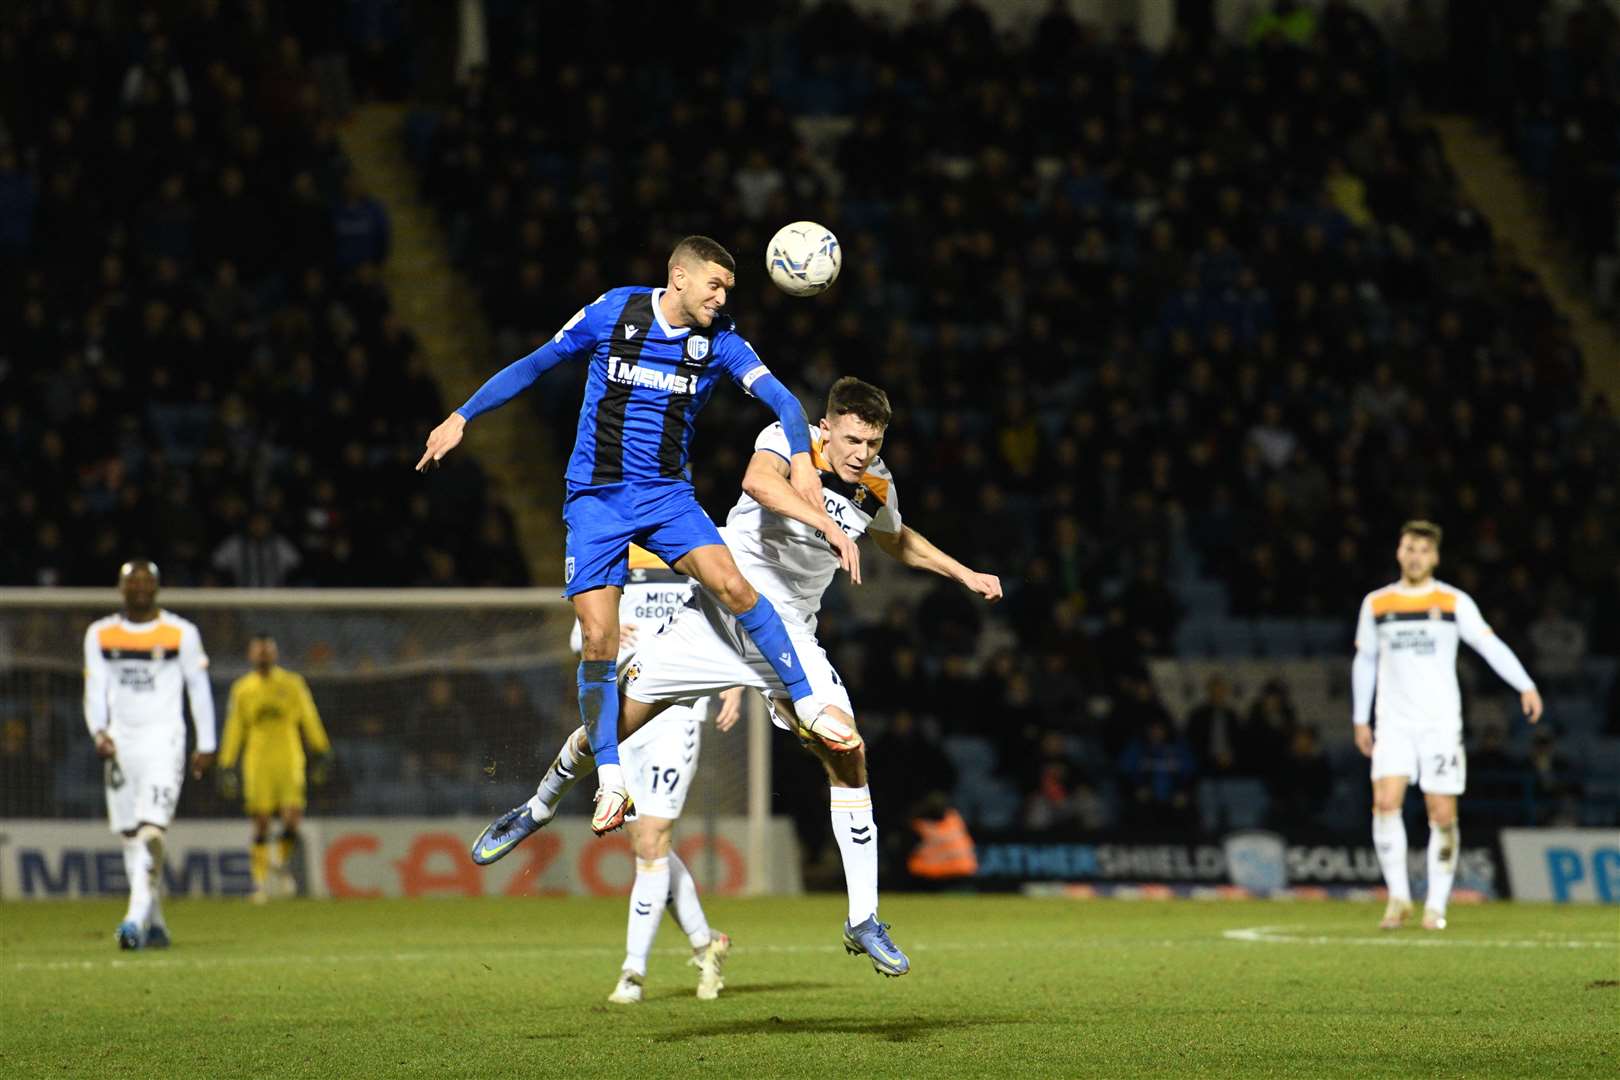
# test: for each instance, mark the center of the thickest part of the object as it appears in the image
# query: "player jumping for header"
(655, 356)
(787, 546)
(1406, 647)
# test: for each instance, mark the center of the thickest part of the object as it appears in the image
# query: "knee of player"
(734, 591)
(599, 642)
(652, 842)
(1384, 804)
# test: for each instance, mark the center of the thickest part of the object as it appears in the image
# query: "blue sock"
(599, 708)
(764, 625)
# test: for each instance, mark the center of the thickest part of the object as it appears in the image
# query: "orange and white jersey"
(653, 593)
(787, 560)
(1413, 634)
(135, 674)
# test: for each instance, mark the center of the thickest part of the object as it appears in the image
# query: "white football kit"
(661, 759)
(703, 650)
(134, 678)
(1406, 647)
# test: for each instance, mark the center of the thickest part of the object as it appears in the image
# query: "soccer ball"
(803, 258)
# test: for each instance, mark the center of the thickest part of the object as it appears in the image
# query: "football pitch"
(999, 987)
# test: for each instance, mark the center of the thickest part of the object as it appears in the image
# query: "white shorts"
(702, 651)
(1434, 757)
(143, 780)
(660, 760)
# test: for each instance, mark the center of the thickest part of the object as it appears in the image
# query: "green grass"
(999, 986)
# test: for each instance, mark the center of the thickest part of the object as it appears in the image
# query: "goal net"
(439, 704)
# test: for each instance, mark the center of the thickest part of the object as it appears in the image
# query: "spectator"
(257, 557)
(1157, 773)
(1302, 783)
(1213, 729)
(360, 225)
(1560, 645)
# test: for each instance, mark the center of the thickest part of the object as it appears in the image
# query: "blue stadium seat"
(1280, 638)
(1235, 638)
(973, 756)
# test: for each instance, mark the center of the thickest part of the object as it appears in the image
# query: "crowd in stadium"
(198, 357)
(1191, 332)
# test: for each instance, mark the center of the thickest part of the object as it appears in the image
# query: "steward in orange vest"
(946, 850)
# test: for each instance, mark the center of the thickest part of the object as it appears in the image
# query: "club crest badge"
(697, 348)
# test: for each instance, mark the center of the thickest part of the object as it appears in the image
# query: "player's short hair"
(702, 250)
(133, 565)
(867, 402)
(1426, 530)
(261, 635)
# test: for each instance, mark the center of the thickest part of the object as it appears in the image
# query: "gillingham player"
(659, 764)
(136, 665)
(270, 719)
(1406, 648)
(782, 543)
(655, 356)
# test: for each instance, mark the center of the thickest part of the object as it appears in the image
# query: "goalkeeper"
(271, 718)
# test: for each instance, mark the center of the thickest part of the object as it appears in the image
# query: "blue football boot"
(505, 833)
(872, 938)
(128, 935)
(157, 936)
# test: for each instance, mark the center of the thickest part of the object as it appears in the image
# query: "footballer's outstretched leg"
(517, 824)
(850, 805)
(872, 938)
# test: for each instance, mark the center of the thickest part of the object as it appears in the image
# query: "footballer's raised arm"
(577, 338)
(911, 548)
(743, 364)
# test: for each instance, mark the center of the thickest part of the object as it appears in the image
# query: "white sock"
(1389, 840)
(688, 909)
(1443, 843)
(155, 842)
(852, 824)
(568, 767)
(140, 882)
(647, 898)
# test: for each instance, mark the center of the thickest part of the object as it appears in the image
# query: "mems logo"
(66, 872)
(628, 374)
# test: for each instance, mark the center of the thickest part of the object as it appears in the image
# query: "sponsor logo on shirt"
(628, 374)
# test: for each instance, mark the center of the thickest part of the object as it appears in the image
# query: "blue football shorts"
(603, 520)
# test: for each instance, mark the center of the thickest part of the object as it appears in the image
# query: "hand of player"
(848, 552)
(105, 746)
(441, 440)
(805, 479)
(320, 769)
(1364, 739)
(1530, 701)
(986, 585)
(201, 763)
(229, 782)
(730, 709)
(627, 636)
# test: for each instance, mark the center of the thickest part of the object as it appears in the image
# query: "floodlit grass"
(999, 987)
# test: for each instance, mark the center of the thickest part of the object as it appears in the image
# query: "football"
(803, 258)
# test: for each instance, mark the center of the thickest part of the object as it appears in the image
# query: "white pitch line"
(1280, 935)
(506, 953)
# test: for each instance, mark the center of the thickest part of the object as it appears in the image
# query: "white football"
(803, 258)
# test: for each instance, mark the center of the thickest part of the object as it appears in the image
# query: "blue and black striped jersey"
(646, 383)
